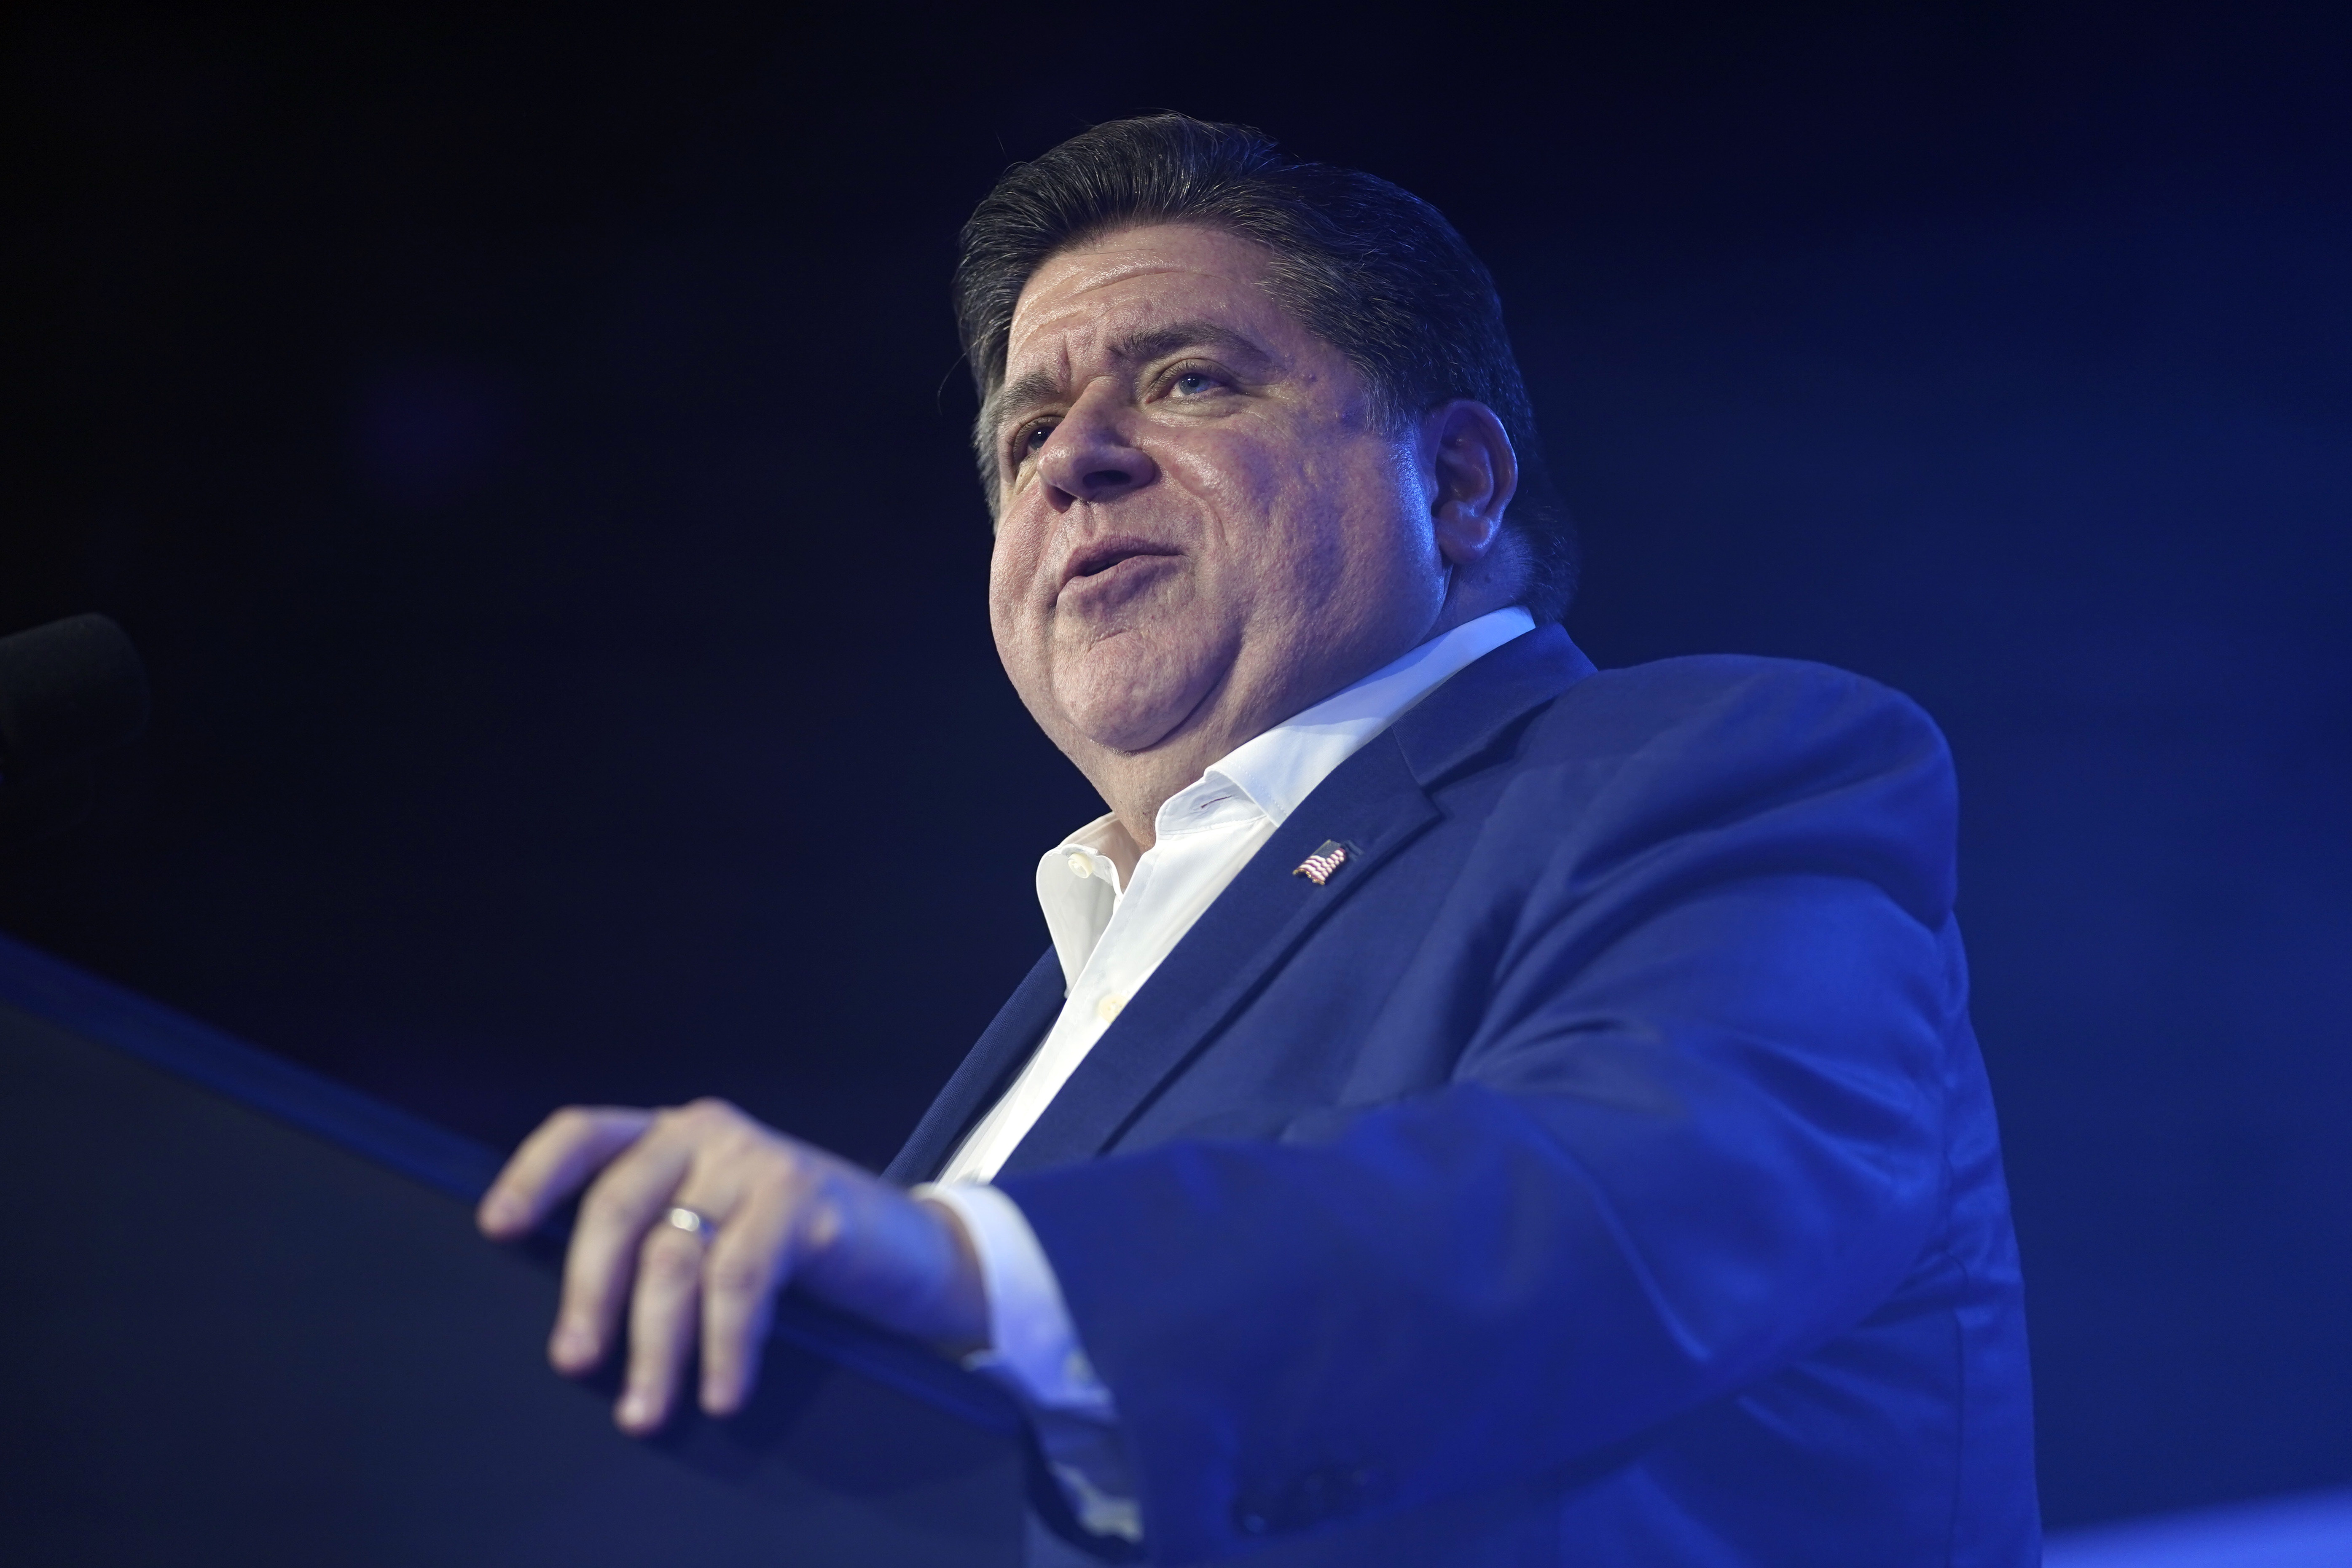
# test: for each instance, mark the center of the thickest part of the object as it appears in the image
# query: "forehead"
(1083, 302)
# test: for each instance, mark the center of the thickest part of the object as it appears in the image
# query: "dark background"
(529, 454)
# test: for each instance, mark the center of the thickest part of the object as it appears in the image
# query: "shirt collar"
(1275, 770)
(1281, 767)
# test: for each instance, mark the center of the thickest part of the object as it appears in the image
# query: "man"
(1475, 1109)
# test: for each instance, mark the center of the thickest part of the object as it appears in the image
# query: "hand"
(785, 1214)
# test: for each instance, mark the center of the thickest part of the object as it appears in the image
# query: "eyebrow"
(1027, 391)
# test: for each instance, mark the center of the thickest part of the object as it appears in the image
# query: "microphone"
(69, 690)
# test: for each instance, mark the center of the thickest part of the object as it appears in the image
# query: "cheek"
(1019, 619)
(1339, 524)
(1245, 493)
(1013, 566)
(1005, 617)
(1379, 512)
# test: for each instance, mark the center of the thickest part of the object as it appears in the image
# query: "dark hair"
(1370, 267)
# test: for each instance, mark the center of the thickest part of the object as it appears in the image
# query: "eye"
(1192, 382)
(1031, 438)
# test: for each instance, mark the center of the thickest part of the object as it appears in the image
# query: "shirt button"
(1082, 865)
(1108, 1008)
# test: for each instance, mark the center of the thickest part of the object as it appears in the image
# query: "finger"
(602, 1260)
(747, 1265)
(566, 1149)
(662, 1315)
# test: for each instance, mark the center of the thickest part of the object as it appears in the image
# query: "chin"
(1130, 699)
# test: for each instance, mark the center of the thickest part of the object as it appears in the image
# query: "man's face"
(1202, 529)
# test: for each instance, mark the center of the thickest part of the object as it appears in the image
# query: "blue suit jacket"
(1599, 1169)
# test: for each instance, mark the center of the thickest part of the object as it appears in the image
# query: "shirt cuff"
(1034, 1353)
(1033, 1344)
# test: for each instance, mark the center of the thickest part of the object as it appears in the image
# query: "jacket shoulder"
(1810, 767)
(1767, 701)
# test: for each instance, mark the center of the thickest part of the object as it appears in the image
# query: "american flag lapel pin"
(1318, 867)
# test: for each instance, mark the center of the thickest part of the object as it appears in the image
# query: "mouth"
(1105, 555)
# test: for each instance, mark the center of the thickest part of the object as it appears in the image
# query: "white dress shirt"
(1110, 937)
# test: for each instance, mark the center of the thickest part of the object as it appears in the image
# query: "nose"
(1089, 455)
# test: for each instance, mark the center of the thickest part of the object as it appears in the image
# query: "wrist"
(962, 1300)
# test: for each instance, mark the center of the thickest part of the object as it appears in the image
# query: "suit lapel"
(1002, 1047)
(1462, 720)
(1374, 803)
(1371, 803)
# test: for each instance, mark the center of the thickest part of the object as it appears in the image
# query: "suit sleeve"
(1694, 1132)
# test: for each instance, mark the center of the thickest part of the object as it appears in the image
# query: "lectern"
(249, 1321)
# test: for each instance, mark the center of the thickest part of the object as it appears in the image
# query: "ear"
(1474, 475)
